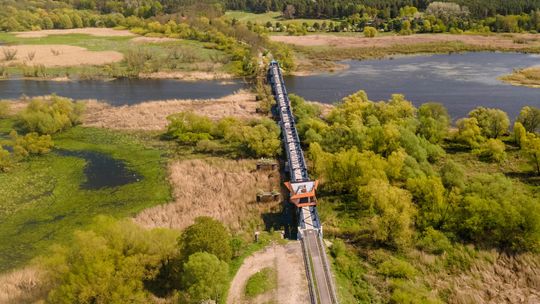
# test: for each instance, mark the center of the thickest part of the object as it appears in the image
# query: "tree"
(494, 212)
(391, 212)
(452, 175)
(529, 117)
(532, 151)
(261, 140)
(289, 11)
(492, 122)
(370, 32)
(428, 194)
(491, 150)
(434, 122)
(206, 235)
(205, 277)
(520, 134)
(469, 132)
(109, 263)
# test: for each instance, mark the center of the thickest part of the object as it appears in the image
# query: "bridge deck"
(309, 226)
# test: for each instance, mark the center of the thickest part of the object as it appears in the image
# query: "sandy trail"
(292, 282)
(58, 55)
(93, 31)
(153, 115)
(506, 41)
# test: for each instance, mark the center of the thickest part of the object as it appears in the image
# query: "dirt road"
(292, 283)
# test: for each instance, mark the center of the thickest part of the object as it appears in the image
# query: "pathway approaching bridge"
(302, 195)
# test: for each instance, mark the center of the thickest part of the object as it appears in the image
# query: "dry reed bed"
(153, 115)
(498, 278)
(223, 189)
(22, 286)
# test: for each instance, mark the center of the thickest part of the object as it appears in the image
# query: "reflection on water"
(460, 81)
(103, 171)
(121, 91)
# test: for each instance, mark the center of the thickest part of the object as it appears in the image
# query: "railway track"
(302, 195)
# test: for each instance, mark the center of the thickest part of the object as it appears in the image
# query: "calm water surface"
(460, 81)
(121, 91)
(103, 171)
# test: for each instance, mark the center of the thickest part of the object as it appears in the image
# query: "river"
(459, 81)
(121, 91)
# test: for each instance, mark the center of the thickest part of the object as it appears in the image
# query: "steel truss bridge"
(302, 195)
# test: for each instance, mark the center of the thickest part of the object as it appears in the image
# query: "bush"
(189, 128)
(50, 116)
(492, 150)
(31, 143)
(434, 241)
(370, 32)
(5, 160)
(396, 268)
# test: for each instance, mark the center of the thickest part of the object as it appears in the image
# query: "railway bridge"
(302, 195)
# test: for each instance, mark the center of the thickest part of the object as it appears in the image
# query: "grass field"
(269, 16)
(42, 202)
(261, 282)
(178, 55)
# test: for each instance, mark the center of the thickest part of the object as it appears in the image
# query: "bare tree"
(289, 11)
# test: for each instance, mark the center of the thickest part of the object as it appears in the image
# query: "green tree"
(532, 151)
(491, 150)
(206, 235)
(108, 263)
(452, 175)
(520, 134)
(391, 212)
(495, 212)
(429, 195)
(529, 117)
(433, 122)
(370, 32)
(492, 122)
(261, 140)
(469, 132)
(205, 277)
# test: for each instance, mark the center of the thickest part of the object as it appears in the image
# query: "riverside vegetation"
(396, 181)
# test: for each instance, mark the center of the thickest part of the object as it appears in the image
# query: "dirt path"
(292, 283)
(514, 41)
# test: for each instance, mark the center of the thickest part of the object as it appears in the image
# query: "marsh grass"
(33, 218)
(524, 77)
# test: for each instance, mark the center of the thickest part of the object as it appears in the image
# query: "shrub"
(189, 128)
(396, 268)
(50, 116)
(31, 143)
(5, 160)
(434, 241)
(492, 150)
(9, 54)
(492, 122)
(529, 117)
(370, 32)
